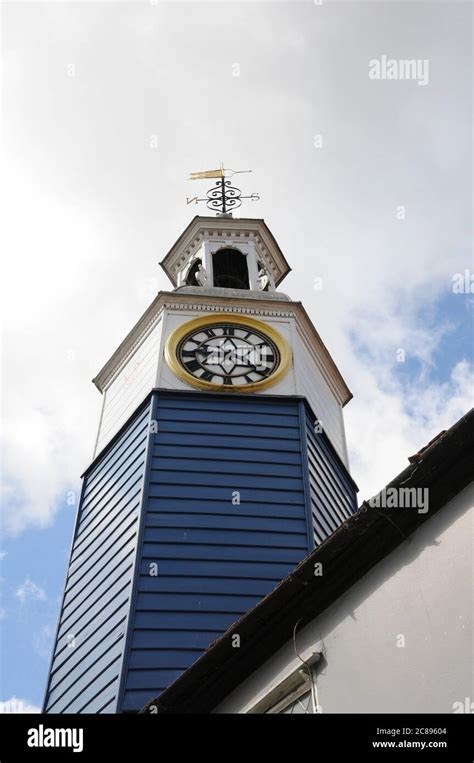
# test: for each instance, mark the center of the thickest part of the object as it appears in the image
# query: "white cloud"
(89, 209)
(400, 423)
(15, 705)
(30, 591)
(47, 439)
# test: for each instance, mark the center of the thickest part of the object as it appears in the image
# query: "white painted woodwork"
(138, 365)
(129, 387)
(206, 235)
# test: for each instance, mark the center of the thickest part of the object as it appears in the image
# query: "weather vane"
(223, 197)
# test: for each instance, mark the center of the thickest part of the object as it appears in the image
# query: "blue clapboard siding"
(224, 496)
(216, 558)
(333, 493)
(89, 649)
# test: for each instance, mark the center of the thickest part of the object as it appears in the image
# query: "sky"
(365, 183)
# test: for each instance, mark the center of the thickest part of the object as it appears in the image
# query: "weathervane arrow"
(223, 197)
(206, 174)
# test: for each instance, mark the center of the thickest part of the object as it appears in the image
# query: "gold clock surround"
(194, 324)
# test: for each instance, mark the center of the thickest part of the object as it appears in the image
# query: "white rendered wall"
(311, 384)
(421, 591)
(130, 386)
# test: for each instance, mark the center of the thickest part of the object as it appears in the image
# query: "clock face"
(231, 353)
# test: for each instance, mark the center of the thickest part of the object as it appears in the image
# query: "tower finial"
(223, 198)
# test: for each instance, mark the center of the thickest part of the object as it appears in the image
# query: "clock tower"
(220, 462)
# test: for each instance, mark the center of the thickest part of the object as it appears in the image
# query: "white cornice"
(213, 307)
(270, 308)
(131, 343)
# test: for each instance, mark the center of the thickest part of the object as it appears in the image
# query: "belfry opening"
(230, 269)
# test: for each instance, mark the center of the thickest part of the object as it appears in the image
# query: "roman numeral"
(187, 353)
(228, 330)
(192, 365)
(228, 380)
(209, 332)
(207, 376)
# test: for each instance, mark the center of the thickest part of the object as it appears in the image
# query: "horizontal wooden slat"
(91, 636)
(231, 553)
(235, 455)
(171, 505)
(119, 556)
(230, 521)
(208, 466)
(262, 494)
(95, 615)
(129, 493)
(198, 602)
(99, 585)
(118, 531)
(138, 425)
(176, 659)
(192, 584)
(109, 490)
(108, 524)
(134, 699)
(233, 537)
(234, 439)
(255, 416)
(225, 403)
(332, 492)
(216, 428)
(84, 673)
(172, 639)
(86, 688)
(83, 573)
(87, 652)
(234, 481)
